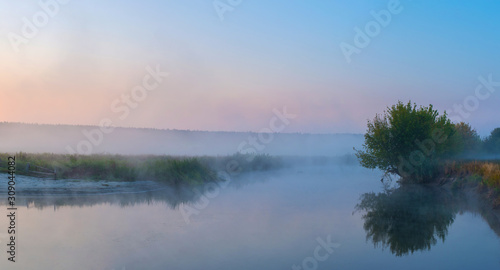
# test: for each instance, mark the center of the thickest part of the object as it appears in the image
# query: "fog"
(34, 138)
(265, 220)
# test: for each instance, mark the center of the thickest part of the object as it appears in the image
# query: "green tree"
(492, 142)
(409, 141)
(468, 139)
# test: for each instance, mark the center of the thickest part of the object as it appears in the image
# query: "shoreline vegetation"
(481, 176)
(171, 170)
(423, 147)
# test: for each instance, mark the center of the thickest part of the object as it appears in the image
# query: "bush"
(408, 141)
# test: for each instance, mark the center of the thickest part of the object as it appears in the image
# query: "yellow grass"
(488, 171)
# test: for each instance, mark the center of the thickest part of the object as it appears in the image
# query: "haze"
(86, 140)
(228, 71)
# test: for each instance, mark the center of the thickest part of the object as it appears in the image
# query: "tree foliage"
(469, 140)
(409, 141)
(492, 142)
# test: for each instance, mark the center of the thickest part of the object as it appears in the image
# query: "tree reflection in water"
(409, 218)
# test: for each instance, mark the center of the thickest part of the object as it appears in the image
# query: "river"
(318, 217)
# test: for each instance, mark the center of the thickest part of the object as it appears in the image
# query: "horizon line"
(174, 129)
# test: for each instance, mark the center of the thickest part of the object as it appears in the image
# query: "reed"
(173, 170)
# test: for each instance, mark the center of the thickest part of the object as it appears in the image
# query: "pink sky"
(230, 74)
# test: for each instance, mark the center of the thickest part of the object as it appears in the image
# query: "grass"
(239, 163)
(166, 169)
(177, 171)
(486, 172)
(483, 174)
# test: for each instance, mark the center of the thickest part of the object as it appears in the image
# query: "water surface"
(259, 221)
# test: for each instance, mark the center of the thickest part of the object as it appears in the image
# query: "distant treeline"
(477, 164)
(471, 145)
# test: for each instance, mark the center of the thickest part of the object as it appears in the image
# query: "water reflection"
(173, 197)
(413, 218)
(147, 193)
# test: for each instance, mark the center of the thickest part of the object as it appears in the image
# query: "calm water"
(260, 221)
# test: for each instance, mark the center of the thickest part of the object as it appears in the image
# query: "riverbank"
(32, 186)
(172, 170)
(483, 177)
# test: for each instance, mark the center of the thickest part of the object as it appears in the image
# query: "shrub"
(408, 141)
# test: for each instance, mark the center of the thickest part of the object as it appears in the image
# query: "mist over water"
(210, 135)
(261, 220)
(133, 141)
(254, 220)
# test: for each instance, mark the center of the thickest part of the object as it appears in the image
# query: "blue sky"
(230, 74)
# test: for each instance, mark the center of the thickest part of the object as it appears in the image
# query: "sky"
(228, 65)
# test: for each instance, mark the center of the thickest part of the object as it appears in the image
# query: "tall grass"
(243, 163)
(487, 171)
(177, 171)
(166, 169)
(171, 170)
(483, 174)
